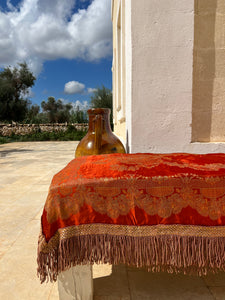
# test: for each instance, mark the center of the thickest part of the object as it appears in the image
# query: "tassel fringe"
(179, 254)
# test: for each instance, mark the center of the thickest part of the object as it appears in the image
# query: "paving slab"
(26, 170)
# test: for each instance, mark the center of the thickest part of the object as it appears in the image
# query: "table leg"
(76, 283)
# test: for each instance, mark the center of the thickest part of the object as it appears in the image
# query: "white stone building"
(169, 75)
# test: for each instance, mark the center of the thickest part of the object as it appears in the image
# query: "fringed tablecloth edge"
(172, 253)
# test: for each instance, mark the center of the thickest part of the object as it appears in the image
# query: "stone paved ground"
(26, 170)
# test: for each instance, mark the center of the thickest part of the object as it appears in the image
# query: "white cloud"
(40, 30)
(10, 5)
(91, 90)
(74, 87)
(28, 94)
(82, 105)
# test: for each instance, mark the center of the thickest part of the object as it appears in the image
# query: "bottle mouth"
(97, 111)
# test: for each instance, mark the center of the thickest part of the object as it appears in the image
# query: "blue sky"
(67, 45)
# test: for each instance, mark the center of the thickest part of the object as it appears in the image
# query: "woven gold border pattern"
(132, 231)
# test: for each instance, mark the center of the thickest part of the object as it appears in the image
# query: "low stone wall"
(22, 129)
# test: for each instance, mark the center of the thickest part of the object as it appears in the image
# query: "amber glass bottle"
(99, 138)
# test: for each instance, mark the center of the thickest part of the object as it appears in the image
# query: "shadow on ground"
(4, 153)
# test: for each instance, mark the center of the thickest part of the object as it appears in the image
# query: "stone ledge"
(23, 129)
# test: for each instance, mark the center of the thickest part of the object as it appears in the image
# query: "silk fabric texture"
(136, 195)
(137, 189)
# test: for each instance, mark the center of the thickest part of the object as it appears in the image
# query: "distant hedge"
(71, 134)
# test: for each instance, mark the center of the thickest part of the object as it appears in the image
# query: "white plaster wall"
(159, 98)
(162, 36)
(162, 50)
(129, 82)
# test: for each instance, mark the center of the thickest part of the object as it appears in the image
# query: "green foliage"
(32, 114)
(71, 134)
(40, 118)
(57, 112)
(71, 128)
(5, 139)
(78, 116)
(102, 98)
(14, 87)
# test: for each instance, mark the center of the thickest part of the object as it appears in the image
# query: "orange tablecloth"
(160, 211)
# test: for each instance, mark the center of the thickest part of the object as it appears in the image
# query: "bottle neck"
(105, 123)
